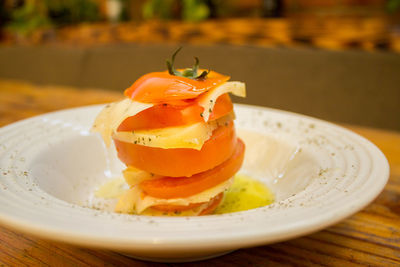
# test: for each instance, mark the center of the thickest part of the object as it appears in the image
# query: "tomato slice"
(178, 162)
(159, 87)
(167, 115)
(213, 203)
(181, 187)
(174, 208)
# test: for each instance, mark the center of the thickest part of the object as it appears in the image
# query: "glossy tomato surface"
(181, 187)
(161, 87)
(178, 162)
(169, 115)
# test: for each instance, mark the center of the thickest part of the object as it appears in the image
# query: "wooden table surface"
(370, 237)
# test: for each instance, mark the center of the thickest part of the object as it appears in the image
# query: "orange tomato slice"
(213, 205)
(160, 87)
(174, 208)
(167, 115)
(181, 187)
(177, 162)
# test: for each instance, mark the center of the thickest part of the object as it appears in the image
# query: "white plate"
(51, 164)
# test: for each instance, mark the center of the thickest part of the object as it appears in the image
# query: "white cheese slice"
(134, 201)
(208, 99)
(187, 136)
(134, 176)
(114, 114)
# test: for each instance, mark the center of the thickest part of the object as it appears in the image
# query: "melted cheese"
(114, 114)
(134, 201)
(208, 99)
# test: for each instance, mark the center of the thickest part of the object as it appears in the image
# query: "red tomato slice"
(160, 87)
(181, 187)
(178, 162)
(167, 115)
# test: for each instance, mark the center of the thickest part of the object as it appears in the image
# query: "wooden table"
(370, 237)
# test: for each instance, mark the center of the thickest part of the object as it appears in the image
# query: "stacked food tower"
(176, 135)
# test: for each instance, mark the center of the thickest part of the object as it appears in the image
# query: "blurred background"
(338, 60)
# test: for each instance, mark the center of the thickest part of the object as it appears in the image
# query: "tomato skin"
(175, 208)
(167, 115)
(177, 162)
(213, 203)
(159, 87)
(182, 187)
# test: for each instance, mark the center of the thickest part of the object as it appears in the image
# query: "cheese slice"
(114, 114)
(191, 136)
(208, 99)
(135, 201)
(187, 136)
(134, 176)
